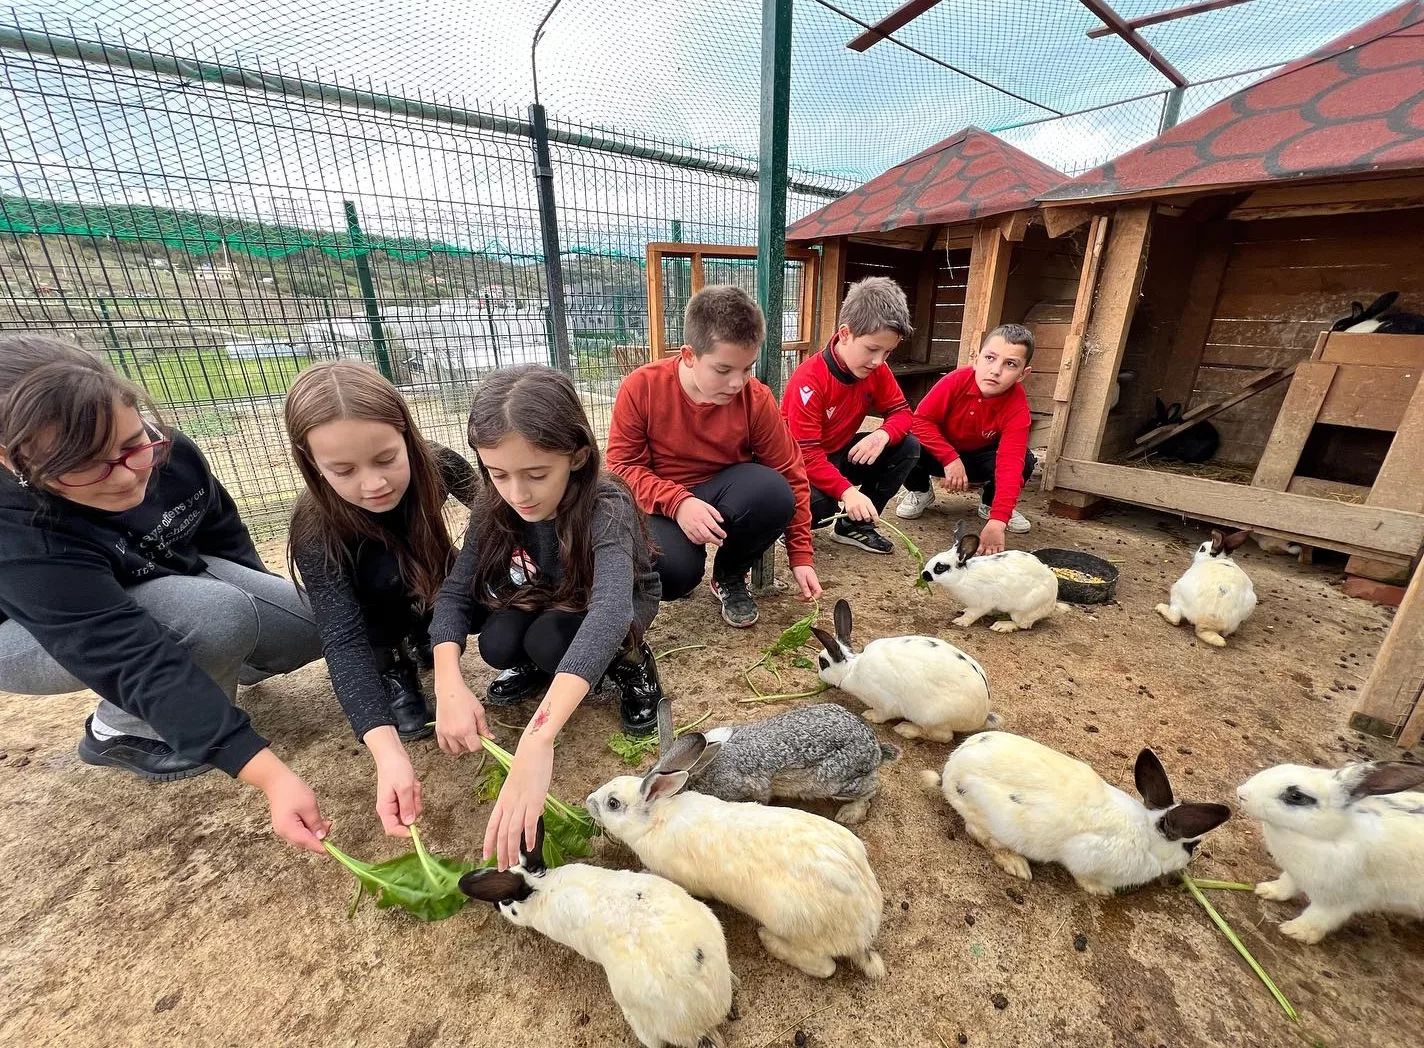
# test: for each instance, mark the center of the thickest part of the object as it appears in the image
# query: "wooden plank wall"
(1285, 281)
(1043, 282)
(951, 278)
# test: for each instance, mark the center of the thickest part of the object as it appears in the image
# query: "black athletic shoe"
(408, 706)
(146, 758)
(861, 535)
(738, 608)
(516, 684)
(639, 690)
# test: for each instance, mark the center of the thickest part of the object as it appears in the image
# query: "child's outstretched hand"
(991, 539)
(521, 801)
(459, 718)
(806, 579)
(955, 477)
(398, 802)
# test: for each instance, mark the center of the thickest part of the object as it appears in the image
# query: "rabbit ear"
(710, 748)
(681, 753)
(657, 785)
(968, 546)
(1235, 540)
(1380, 304)
(1218, 540)
(1152, 781)
(842, 618)
(667, 732)
(1372, 780)
(495, 886)
(1159, 409)
(1174, 413)
(833, 648)
(532, 859)
(1188, 821)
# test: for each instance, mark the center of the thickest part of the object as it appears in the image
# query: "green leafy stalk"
(910, 547)
(794, 637)
(424, 885)
(1223, 886)
(634, 748)
(567, 830)
(1231, 937)
(673, 651)
(760, 698)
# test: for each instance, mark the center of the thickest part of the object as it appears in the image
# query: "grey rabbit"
(820, 752)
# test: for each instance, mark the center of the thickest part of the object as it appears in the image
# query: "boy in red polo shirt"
(709, 459)
(828, 397)
(973, 429)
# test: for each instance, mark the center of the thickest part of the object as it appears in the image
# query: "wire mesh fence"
(216, 197)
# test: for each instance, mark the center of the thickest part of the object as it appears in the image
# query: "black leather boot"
(408, 705)
(516, 684)
(635, 673)
(418, 648)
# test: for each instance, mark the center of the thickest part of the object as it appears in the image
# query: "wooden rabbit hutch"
(956, 226)
(1219, 255)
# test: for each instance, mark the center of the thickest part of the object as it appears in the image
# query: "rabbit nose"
(926, 575)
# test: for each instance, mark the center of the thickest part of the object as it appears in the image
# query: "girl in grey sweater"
(555, 572)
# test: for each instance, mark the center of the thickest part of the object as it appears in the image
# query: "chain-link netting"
(216, 193)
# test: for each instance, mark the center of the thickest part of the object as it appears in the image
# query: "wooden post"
(1294, 422)
(1212, 254)
(831, 279)
(1400, 483)
(984, 292)
(1124, 262)
(656, 320)
(1073, 346)
(1397, 677)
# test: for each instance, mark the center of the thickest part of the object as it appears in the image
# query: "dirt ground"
(143, 914)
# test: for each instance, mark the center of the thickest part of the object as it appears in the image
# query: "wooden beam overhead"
(896, 19)
(1120, 27)
(1199, 8)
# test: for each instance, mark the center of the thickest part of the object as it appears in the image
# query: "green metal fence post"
(368, 291)
(549, 226)
(114, 338)
(771, 206)
(1171, 109)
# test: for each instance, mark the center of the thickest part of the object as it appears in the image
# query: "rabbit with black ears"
(1012, 581)
(1214, 594)
(1352, 840)
(1197, 443)
(663, 951)
(805, 880)
(1380, 319)
(932, 687)
(1023, 801)
(820, 752)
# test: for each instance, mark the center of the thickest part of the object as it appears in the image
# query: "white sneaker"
(1018, 523)
(913, 503)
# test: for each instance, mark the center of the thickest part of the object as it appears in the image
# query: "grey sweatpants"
(239, 626)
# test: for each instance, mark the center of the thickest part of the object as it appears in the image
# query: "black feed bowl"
(1081, 592)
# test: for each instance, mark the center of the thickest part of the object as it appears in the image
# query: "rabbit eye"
(614, 804)
(1297, 798)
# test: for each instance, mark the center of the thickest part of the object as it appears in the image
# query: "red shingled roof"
(1355, 106)
(969, 175)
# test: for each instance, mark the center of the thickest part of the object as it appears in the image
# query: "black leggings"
(756, 504)
(511, 637)
(979, 466)
(388, 609)
(878, 481)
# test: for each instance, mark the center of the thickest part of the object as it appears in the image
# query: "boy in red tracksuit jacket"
(973, 429)
(827, 398)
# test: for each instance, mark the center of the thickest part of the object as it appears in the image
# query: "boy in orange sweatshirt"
(827, 399)
(709, 458)
(973, 429)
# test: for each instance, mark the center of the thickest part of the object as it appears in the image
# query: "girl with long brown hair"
(556, 570)
(370, 544)
(125, 569)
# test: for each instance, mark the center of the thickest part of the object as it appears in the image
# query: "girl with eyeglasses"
(125, 569)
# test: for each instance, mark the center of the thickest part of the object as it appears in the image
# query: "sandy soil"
(139, 914)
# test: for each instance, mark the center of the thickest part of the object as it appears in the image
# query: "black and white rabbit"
(1380, 319)
(1197, 444)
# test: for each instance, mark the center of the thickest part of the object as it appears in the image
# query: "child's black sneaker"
(146, 758)
(738, 608)
(861, 535)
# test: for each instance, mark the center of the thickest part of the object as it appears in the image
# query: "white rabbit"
(1022, 800)
(1352, 839)
(804, 879)
(663, 951)
(1214, 594)
(1012, 581)
(935, 687)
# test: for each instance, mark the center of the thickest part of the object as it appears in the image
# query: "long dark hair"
(57, 406)
(346, 389)
(542, 406)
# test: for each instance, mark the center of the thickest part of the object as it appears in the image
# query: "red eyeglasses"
(134, 459)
